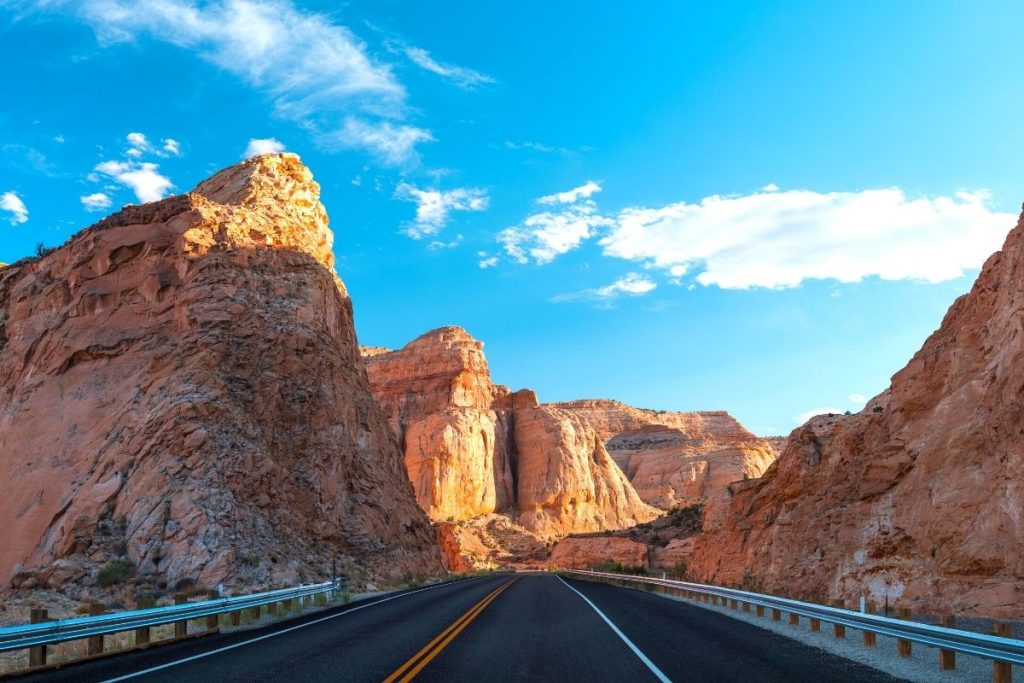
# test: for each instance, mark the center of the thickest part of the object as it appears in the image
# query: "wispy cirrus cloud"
(433, 207)
(316, 71)
(465, 78)
(633, 284)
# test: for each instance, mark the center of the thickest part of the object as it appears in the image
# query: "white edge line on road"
(202, 655)
(643, 658)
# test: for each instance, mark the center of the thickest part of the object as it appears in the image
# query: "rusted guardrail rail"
(1001, 649)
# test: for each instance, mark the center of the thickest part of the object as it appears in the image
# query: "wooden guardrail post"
(903, 647)
(212, 622)
(95, 643)
(254, 612)
(142, 634)
(37, 653)
(760, 610)
(794, 618)
(180, 627)
(815, 625)
(272, 609)
(746, 606)
(734, 603)
(776, 615)
(1002, 672)
(868, 636)
(947, 658)
(839, 630)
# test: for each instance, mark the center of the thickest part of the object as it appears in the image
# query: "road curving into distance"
(504, 627)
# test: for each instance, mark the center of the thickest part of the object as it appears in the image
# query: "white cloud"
(172, 147)
(859, 399)
(780, 239)
(434, 206)
(434, 245)
(97, 201)
(546, 235)
(632, 284)
(316, 71)
(391, 143)
(258, 146)
(142, 178)
(486, 260)
(58, 138)
(805, 416)
(583, 191)
(138, 141)
(770, 187)
(460, 76)
(12, 203)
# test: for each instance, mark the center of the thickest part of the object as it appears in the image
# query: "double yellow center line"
(415, 664)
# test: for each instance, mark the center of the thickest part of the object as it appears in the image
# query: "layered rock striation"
(917, 498)
(181, 388)
(473, 448)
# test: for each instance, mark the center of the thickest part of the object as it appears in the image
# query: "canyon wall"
(181, 388)
(920, 496)
(473, 448)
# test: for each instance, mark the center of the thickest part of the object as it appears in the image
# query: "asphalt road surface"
(513, 627)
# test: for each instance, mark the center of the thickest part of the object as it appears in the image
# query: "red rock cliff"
(472, 448)
(921, 495)
(180, 385)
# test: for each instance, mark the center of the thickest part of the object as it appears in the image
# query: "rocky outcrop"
(437, 394)
(587, 553)
(181, 387)
(473, 447)
(677, 459)
(919, 496)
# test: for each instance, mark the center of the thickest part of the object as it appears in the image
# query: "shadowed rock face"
(180, 385)
(921, 495)
(473, 448)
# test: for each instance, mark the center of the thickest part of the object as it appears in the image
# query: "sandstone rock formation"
(584, 553)
(677, 459)
(920, 496)
(473, 448)
(180, 386)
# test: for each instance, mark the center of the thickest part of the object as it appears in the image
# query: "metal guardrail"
(51, 632)
(992, 647)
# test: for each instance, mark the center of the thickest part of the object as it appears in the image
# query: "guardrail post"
(746, 606)
(212, 622)
(947, 658)
(1001, 671)
(272, 609)
(794, 618)
(734, 604)
(839, 630)
(776, 615)
(95, 643)
(142, 634)
(903, 647)
(180, 627)
(37, 653)
(868, 636)
(760, 610)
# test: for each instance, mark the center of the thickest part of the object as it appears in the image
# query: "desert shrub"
(115, 572)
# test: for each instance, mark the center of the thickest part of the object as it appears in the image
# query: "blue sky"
(757, 207)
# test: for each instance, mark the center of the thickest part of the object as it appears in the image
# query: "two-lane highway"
(512, 627)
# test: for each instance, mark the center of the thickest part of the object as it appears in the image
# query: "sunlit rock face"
(920, 496)
(473, 448)
(181, 387)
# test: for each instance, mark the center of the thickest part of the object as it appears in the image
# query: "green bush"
(115, 572)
